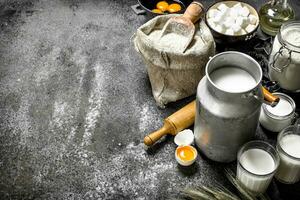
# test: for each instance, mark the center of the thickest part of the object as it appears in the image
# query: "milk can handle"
(268, 98)
(275, 58)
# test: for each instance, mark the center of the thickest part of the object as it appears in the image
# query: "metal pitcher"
(224, 120)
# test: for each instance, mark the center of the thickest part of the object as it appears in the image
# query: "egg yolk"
(157, 11)
(162, 5)
(185, 153)
(174, 7)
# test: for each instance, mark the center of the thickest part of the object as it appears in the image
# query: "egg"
(185, 137)
(174, 7)
(185, 155)
(157, 11)
(162, 5)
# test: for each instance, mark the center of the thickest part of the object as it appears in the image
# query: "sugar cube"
(223, 7)
(229, 32)
(250, 28)
(212, 13)
(237, 6)
(219, 28)
(233, 13)
(228, 22)
(211, 22)
(242, 21)
(242, 32)
(236, 28)
(244, 11)
(239, 21)
(217, 19)
(223, 13)
(252, 19)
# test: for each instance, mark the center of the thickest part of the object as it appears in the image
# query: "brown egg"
(162, 5)
(158, 11)
(174, 7)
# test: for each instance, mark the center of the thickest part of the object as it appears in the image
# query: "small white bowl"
(184, 162)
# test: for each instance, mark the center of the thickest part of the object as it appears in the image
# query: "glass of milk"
(257, 163)
(288, 147)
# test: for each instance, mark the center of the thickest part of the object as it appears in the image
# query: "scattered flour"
(145, 118)
(95, 102)
(59, 115)
(48, 154)
(22, 121)
(149, 118)
(146, 176)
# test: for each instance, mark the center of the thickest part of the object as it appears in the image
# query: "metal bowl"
(223, 38)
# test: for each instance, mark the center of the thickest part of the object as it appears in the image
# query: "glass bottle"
(273, 14)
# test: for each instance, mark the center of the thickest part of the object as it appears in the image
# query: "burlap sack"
(173, 74)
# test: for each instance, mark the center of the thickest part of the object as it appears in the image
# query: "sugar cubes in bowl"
(232, 21)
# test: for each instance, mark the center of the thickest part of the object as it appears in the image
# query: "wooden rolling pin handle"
(178, 121)
(269, 97)
(153, 137)
(194, 11)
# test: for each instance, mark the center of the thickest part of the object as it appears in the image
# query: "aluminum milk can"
(226, 120)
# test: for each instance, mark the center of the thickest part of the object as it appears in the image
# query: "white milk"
(233, 79)
(283, 108)
(260, 163)
(283, 112)
(289, 168)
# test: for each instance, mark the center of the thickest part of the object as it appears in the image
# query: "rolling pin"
(185, 117)
(178, 121)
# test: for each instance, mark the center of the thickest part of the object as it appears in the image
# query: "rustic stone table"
(76, 102)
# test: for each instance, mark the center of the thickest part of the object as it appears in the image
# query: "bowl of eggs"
(232, 21)
(159, 7)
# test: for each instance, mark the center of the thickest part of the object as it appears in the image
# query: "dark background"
(76, 102)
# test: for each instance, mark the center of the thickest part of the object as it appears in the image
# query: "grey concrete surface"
(75, 103)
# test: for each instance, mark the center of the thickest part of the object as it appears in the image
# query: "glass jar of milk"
(277, 118)
(257, 163)
(288, 147)
(284, 62)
